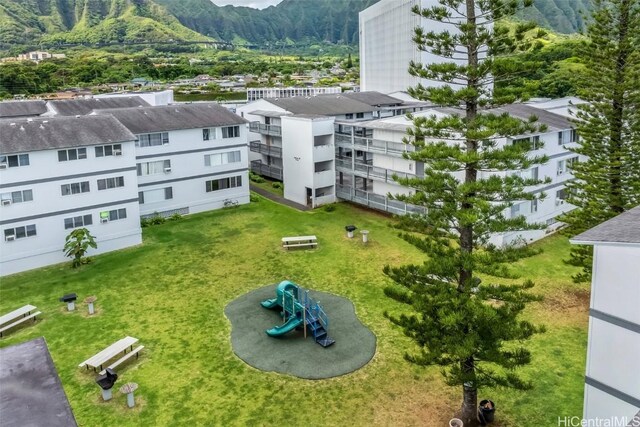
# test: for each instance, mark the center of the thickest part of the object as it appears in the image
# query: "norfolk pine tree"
(608, 182)
(471, 329)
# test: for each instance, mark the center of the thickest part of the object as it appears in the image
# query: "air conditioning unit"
(167, 170)
(3, 165)
(9, 238)
(104, 220)
(117, 152)
(559, 202)
(560, 172)
(6, 202)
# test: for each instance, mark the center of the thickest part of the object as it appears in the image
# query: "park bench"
(299, 241)
(17, 317)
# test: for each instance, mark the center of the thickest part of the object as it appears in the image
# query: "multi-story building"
(84, 106)
(255, 93)
(17, 109)
(189, 157)
(612, 380)
(369, 156)
(292, 139)
(60, 173)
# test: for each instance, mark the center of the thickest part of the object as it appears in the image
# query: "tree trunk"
(468, 411)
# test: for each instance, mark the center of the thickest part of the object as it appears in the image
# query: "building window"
(571, 162)
(152, 139)
(16, 197)
(530, 142)
(153, 168)
(158, 195)
(75, 188)
(562, 167)
(78, 221)
(19, 232)
(208, 134)
(108, 183)
(567, 136)
(231, 131)
(14, 161)
(224, 183)
(561, 196)
(109, 150)
(359, 115)
(72, 154)
(534, 206)
(114, 215)
(222, 158)
(515, 210)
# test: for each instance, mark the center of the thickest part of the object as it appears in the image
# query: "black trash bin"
(486, 412)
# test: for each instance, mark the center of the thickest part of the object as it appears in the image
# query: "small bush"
(145, 222)
(277, 185)
(157, 219)
(254, 199)
(255, 178)
(175, 217)
(329, 208)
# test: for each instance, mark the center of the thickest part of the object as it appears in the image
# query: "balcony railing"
(372, 172)
(377, 201)
(266, 170)
(269, 150)
(264, 129)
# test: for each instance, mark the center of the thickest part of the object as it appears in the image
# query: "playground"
(286, 350)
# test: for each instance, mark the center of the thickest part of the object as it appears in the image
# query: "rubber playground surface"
(292, 354)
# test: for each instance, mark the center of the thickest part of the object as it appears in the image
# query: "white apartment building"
(60, 173)
(189, 157)
(255, 93)
(292, 139)
(370, 153)
(386, 45)
(612, 380)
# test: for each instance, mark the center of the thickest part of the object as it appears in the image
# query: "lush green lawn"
(170, 293)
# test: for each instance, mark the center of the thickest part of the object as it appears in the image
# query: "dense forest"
(291, 21)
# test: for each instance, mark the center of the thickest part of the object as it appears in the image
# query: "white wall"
(297, 158)
(186, 151)
(49, 207)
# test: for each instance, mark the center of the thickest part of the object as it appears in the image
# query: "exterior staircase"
(318, 331)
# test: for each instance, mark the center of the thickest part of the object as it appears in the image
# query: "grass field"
(171, 291)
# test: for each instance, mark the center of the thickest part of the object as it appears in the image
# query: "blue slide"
(289, 326)
(270, 303)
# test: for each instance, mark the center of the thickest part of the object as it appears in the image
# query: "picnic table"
(112, 351)
(16, 317)
(299, 241)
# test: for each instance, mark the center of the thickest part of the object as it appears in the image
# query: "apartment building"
(189, 157)
(255, 93)
(17, 109)
(60, 173)
(612, 391)
(292, 139)
(369, 155)
(84, 106)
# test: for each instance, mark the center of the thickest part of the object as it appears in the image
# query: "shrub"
(330, 208)
(76, 245)
(145, 222)
(254, 198)
(175, 217)
(277, 185)
(255, 177)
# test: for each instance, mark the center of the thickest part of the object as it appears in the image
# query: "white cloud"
(256, 4)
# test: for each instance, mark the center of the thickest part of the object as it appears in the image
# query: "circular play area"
(268, 329)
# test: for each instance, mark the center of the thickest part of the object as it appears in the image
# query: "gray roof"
(81, 107)
(267, 113)
(374, 99)
(624, 228)
(22, 108)
(48, 133)
(324, 105)
(175, 117)
(31, 392)
(555, 122)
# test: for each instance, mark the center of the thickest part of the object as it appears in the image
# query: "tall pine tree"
(471, 329)
(608, 182)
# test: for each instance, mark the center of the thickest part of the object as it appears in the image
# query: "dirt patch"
(573, 304)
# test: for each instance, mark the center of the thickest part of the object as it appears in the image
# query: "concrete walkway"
(269, 195)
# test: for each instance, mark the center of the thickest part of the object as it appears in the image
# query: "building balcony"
(324, 178)
(377, 201)
(266, 170)
(371, 172)
(264, 129)
(268, 150)
(324, 152)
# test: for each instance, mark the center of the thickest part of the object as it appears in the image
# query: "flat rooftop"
(31, 393)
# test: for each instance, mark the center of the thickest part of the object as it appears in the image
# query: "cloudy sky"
(256, 4)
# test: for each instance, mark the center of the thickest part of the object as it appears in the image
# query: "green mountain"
(299, 21)
(89, 21)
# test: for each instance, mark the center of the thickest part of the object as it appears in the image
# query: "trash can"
(486, 412)
(365, 236)
(350, 229)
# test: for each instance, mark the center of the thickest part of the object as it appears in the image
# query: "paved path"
(278, 199)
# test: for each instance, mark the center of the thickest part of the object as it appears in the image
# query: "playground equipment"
(299, 311)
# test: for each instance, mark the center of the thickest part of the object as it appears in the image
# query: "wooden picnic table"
(15, 314)
(297, 241)
(109, 353)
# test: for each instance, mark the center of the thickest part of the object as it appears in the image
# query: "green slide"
(289, 326)
(270, 303)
